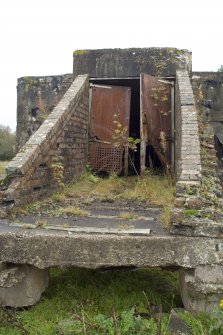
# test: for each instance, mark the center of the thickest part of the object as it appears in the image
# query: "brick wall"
(187, 155)
(63, 137)
(199, 198)
(188, 164)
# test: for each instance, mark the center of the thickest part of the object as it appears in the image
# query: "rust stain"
(156, 116)
(107, 104)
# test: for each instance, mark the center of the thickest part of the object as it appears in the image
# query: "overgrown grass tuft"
(72, 211)
(155, 188)
(3, 165)
(128, 216)
(166, 216)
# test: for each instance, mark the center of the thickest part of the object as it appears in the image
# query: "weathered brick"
(187, 138)
(64, 134)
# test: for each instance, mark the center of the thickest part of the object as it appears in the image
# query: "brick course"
(188, 163)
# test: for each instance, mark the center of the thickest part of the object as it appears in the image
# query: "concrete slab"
(99, 218)
(45, 248)
(93, 222)
(101, 239)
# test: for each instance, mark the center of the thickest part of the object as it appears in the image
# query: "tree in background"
(7, 143)
(220, 68)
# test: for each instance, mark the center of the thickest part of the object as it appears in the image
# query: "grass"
(166, 216)
(152, 188)
(128, 216)
(3, 165)
(88, 302)
(92, 302)
(75, 292)
(72, 211)
(190, 212)
(157, 189)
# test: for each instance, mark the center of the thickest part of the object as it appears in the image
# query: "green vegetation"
(3, 165)
(7, 143)
(80, 52)
(166, 216)
(57, 169)
(32, 208)
(31, 81)
(78, 299)
(93, 302)
(71, 211)
(191, 212)
(120, 135)
(203, 324)
(128, 216)
(152, 187)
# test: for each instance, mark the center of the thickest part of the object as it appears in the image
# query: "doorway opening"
(133, 115)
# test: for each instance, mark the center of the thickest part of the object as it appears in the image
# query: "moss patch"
(80, 52)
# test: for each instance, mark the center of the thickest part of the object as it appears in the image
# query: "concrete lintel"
(45, 249)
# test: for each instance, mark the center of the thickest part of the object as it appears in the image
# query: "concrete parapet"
(36, 98)
(113, 63)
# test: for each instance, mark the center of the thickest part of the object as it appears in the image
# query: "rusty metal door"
(156, 107)
(110, 111)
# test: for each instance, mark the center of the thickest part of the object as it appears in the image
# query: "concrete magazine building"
(148, 97)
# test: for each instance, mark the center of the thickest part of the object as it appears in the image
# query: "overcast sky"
(38, 37)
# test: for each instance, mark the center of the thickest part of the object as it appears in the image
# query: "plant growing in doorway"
(121, 139)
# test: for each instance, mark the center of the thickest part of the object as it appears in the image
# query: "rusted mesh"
(106, 158)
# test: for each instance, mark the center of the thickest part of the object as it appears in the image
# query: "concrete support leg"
(21, 285)
(202, 288)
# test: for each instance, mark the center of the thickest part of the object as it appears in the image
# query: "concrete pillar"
(21, 285)
(202, 288)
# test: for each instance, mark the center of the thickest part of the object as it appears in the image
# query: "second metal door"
(156, 106)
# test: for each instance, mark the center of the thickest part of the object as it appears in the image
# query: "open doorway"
(134, 115)
(134, 111)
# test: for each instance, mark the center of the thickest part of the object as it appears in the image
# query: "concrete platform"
(30, 244)
(100, 219)
(56, 245)
(102, 238)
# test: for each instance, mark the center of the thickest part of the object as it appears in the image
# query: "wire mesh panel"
(106, 158)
